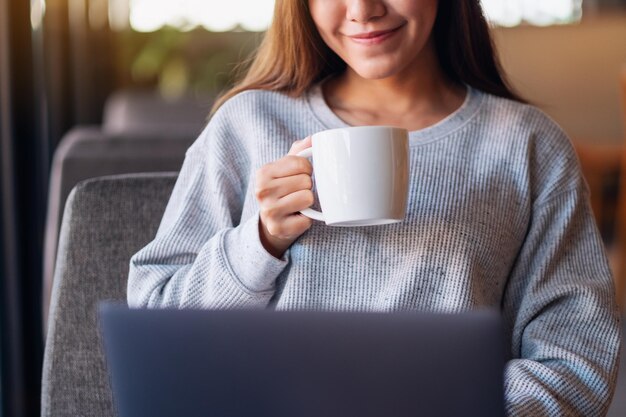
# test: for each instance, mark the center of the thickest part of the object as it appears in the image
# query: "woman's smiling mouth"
(374, 37)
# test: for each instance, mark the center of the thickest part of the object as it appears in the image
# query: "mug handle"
(309, 212)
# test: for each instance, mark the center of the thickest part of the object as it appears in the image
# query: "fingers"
(287, 205)
(281, 187)
(285, 167)
(294, 202)
(281, 217)
(288, 165)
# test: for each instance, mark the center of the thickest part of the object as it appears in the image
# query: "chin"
(374, 73)
(376, 68)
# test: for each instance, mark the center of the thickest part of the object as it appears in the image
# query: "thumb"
(300, 145)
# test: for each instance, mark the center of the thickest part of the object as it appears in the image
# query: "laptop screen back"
(266, 363)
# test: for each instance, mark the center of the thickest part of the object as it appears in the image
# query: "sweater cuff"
(254, 267)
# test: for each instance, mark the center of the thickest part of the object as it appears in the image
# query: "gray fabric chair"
(88, 152)
(106, 220)
(128, 111)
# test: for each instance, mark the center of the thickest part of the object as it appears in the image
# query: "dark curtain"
(23, 181)
(79, 67)
(54, 74)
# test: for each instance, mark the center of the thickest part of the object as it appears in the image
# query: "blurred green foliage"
(181, 62)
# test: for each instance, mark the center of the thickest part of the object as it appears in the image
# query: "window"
(255, 15)
(213, 15)
(534, 12)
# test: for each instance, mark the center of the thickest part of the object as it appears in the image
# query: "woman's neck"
(414, 99)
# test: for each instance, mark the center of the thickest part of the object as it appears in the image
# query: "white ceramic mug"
(361, 175)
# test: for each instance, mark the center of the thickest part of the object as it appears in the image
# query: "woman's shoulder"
(511, 111)
(257, 103)
(546, 147)
(524, 121)
(242, 118)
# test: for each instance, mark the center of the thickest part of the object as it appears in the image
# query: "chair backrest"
(148, 111)
(106, 220)
(88, 152)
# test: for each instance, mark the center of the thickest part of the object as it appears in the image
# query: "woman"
(498, 211)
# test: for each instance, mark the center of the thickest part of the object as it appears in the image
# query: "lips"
(374, 37)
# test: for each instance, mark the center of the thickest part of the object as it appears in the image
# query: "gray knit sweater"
(498, 216)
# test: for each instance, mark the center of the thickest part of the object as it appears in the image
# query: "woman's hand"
(283, 188)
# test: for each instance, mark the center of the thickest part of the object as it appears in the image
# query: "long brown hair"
(293, 56)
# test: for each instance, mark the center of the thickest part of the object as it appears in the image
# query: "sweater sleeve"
(204, 255)
(561, 310)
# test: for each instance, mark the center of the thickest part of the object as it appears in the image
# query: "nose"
(363, 11)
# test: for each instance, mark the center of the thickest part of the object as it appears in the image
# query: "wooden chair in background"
(600, 164)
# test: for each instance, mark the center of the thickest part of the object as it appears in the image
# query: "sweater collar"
(443, 128)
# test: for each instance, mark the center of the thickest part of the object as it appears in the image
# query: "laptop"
(262, 363)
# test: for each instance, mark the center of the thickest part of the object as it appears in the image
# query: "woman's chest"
(453, 251)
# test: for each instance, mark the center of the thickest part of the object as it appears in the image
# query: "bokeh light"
(534, 12)
(255, 15)
(213, 15)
